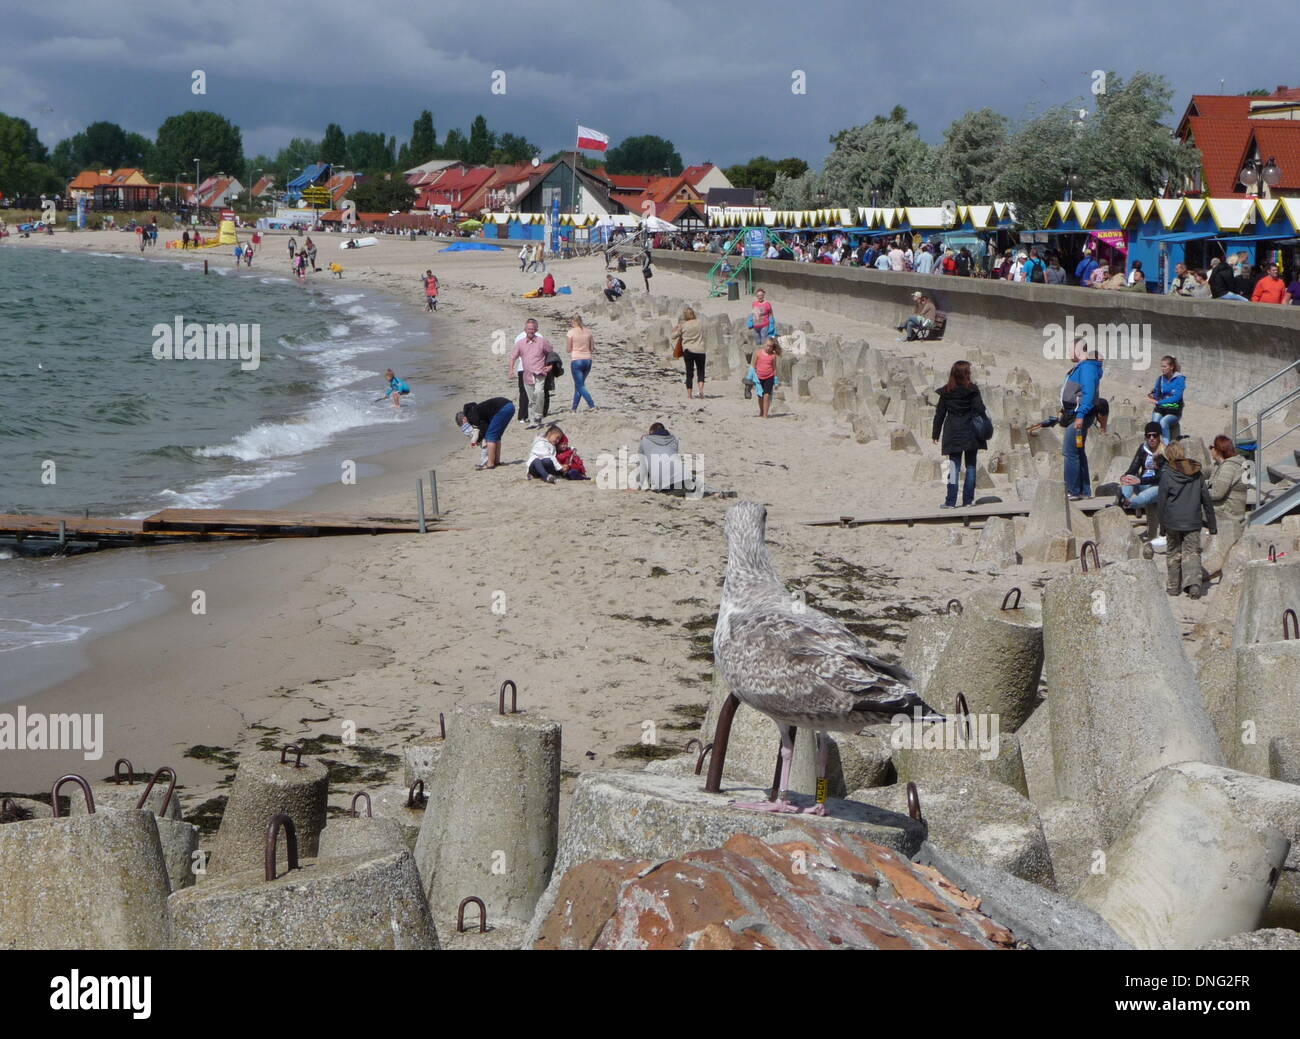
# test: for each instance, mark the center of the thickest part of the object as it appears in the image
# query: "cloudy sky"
(714, 78)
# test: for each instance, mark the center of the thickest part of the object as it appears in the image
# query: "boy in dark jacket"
(1184, 505)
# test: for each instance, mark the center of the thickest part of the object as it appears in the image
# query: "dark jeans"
(523, 398)
(954, 470)
(612, 294)
(1077, 478)
(694, 367)
(540, 469)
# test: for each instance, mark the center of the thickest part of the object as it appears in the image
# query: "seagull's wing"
(815, 663)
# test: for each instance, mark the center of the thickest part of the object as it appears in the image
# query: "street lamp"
(1269, 174)
(1072, 181)
(197, 182)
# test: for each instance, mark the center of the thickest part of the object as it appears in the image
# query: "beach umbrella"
(471, 224)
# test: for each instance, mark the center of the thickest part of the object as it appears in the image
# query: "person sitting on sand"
(486, 422)
(396, 388)
(542, 463)
(548, 286)
(660, 461)
(575, 467)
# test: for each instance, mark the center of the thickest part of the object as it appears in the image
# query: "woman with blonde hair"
(581, 346)
(692, 336)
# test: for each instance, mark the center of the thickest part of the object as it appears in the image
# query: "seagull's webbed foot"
(768, 806)
(815, 809)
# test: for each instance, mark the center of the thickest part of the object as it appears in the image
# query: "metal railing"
(1255, 429)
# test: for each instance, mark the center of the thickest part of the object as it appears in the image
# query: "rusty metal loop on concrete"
(1007, 598)
(482, 914)
(290, 840)
(297, 763)
(72, 777)
(442, 726)
(1083, 555)
(963, 711)
(357, 796)
(1272, 553)
(12, 812)
(171, 789)
(514, 698)
(411, 802)
(956, 603)
(1290, 625)
(704, 753)
(117, 771)
(721, 736)
(914, 802)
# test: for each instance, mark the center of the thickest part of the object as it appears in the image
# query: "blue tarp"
(462, 247)
(309, 176)
(1176, 236)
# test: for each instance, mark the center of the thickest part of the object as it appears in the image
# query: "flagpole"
(575, 166)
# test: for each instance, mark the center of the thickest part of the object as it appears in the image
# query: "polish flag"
(592, 140)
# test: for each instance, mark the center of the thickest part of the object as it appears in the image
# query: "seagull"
(794, 663)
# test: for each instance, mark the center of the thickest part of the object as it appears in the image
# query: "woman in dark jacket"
(960, 405)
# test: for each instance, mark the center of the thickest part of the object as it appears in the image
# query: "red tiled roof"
(455, 187)
(1222, 143)
(263, 185)
(1280, 140)
(695, 174)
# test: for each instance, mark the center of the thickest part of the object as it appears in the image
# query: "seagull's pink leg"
(823, 759)
(780, 804)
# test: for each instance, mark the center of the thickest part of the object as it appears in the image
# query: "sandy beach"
(599, 603)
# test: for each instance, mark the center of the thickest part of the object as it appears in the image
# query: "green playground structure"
(723, 273)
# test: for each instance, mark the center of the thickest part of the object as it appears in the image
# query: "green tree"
(512, 148)
(646, 154)
(886, 158)
(481, 142)
(970, 155)
(585, 161)
(368, 152)
(211, 138)
(760, 172)
(424, 141)
(23, 160)
(455, 146)
(292, 159)
(334, 146)
(806, 191)
(382, 193)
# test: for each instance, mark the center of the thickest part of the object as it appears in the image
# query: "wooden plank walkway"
(197, 524)
(963, 516)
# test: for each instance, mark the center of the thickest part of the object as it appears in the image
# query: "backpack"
(1036, 271)
(963, 265)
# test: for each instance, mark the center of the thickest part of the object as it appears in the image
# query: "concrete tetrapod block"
(363, 902)
(1216, 673)
(997, 543)
(1284, 759)
(1048, 538)
(83, 882)
(934, 753)
(1269, 803)
(1115, 537)
(1035, 915)
(420, 759)
(1035, 740)
(995, 657)
(264, 786)
(1074, 841)
(1188, 868)
(978, 819)
(1268, 701)
(124, 795)
(1267, 591)
(391, 802)
(640, 815)
(1275, 938)
(179, 839)
(346, 836)
(1122, 694)
(927, 635)
(491, 828)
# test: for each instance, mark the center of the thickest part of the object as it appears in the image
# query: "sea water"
(91, 421)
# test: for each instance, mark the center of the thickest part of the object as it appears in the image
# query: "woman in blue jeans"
(960, 404)
(1167, 396)
(581, 346)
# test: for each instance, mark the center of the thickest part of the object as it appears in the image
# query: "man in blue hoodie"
(1079, 396)
(1085, 267)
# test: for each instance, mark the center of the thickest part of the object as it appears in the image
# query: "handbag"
(984, 426)
(677, 346)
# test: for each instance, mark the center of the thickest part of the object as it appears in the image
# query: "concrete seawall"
(1226, 348)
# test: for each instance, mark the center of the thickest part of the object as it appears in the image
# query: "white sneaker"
(1158, 543)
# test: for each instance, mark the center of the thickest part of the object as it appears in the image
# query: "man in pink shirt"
(531, 350)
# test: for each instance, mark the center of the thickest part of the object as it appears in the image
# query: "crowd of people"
(1177, 498)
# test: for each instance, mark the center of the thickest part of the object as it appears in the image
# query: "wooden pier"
(964, 516)
(198, 525)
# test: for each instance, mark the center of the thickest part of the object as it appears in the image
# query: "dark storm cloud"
(715, 78)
